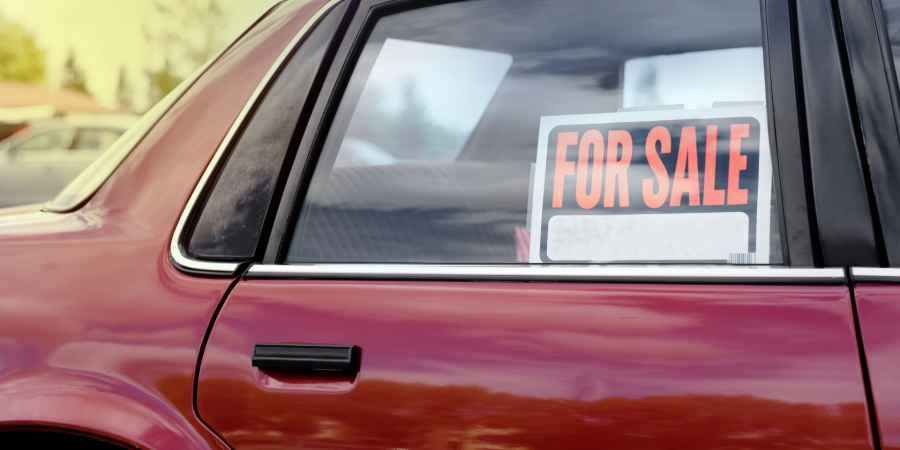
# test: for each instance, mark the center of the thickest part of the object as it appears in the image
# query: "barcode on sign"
(742, 258)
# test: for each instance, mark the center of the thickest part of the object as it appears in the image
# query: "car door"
(547, 225)
(871, 40)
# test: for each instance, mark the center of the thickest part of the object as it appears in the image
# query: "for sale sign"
(653, 186)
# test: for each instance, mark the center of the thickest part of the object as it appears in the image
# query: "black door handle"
(342, 358)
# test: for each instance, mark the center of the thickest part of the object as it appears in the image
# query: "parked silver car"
(37, 162)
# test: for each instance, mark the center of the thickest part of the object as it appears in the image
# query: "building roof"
(14, 94)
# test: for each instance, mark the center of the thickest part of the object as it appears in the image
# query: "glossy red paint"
(540, 365)
(98, 331)
(879, 316)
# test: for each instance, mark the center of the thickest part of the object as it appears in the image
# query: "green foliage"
(162, 82)
(20, 57)
(190, 34)
(124, 90)
(73, 76)
(193, 29)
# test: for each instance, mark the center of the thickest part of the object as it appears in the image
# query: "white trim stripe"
(682, 274)
(876, 274)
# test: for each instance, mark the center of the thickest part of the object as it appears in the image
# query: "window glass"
(95, 139)
(892, 22)
(51, 140)
(420, 103)
(231, 222)
(550, 131)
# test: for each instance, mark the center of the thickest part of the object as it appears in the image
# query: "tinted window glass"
(550, 131)
(231, 222)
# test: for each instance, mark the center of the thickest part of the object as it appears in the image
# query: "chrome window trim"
(176, 251)
(875, 274)
(536, 272)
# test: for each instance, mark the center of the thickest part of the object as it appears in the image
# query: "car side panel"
(79, 400)
(98, 330)
(540, 365)
(879, 321)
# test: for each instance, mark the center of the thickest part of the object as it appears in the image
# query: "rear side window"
(231, 222)
(550, 131)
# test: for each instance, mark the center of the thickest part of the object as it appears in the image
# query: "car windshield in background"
(39, 161)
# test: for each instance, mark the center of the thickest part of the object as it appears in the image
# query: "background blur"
(122, 53)
(75, 74)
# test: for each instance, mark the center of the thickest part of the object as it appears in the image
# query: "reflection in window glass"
(695, 79)
(420, 103)
(434, 155)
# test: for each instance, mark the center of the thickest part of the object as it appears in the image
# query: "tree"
(188, 33)
(194, 29)
(73, 76)
(124, 90)
(20, 57)
(162, 82)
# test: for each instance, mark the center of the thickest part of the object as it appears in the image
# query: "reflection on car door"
(539, 365)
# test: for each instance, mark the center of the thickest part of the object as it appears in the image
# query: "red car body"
(110, 346)
(541, 366)
(101, 334)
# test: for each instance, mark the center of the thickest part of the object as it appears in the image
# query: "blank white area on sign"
(648, 237)
(695, 79)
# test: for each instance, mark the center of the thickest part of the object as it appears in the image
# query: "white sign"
(653, 186)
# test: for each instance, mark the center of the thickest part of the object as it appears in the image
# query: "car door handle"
(342, 358)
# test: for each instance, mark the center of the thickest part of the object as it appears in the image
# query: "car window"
(892, 22)
(550, 131)
(231, 222)
(402, 117)
(95, 139)
(50, 140)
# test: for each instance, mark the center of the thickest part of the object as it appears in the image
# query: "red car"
(487, 224)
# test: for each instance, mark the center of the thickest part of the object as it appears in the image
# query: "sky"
(108, 34)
